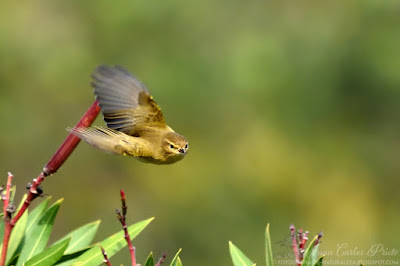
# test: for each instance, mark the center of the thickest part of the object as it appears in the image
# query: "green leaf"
(16, 236)
(2, 225)
(36, 213)
(319, 262)
(38, 236)
(314, 254)
(268, 250)
(13, 261)
(67, 259)
(238, 257)
(13, 190)
(111, 244)
(150, 260)
(21, 243)
(49, 256)
(311, 253)
(32, 218)
(81, 237)
(176, 261)
(21, 203)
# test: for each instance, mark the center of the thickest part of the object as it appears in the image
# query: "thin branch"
(106, 260)
(61, 155)
(303, 237)
(6, 199)
(294, 245)
(123, 201)
(121, 218)
(318, 239)
(7, 234)
(299, 246)
(71, 141)
(7, 218)
(300, 238)
(304, 240)
(162, 259)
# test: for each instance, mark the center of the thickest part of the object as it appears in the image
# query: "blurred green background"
(292, 110)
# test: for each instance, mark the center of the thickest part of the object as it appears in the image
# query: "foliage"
(29, 240)
(310, 254)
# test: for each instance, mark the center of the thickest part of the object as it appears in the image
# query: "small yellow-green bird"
(135, 123)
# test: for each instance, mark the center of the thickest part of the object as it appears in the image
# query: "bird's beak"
(182, 151)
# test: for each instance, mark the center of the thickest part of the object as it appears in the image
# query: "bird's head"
(175, 147)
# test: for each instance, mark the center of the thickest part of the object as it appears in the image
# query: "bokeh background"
(292, 110)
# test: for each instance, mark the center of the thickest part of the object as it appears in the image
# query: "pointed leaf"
(314, 255)
(268, 249)
(319, 261)
(67, 259)
(81, 237)
(238, 257)
(35, 214)
(37, 238)
(176, 261)
(112, 245)
(12, 250)
(2, 225)
(13, 190)
(22, 202)
(150, 260)
(16, 236)
(311, 253)
(14, 260)
(49, 256)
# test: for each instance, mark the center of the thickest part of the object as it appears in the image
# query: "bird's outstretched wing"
(125, 102)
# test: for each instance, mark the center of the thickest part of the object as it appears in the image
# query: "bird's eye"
(186, 146)
(171, 146)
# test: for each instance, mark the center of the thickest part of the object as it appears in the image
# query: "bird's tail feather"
(105, 139)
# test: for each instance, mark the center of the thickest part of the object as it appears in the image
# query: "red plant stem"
(132, 249)
(300, 237)
(61, 155)
(7, 233)
(7, 228)
(294, 245)
(304, 239)
(122, 217)
(31, 196)
(106, 260)
(71, 141)
(318, 239)
(123, 200)
(6, 200)
(162, 259)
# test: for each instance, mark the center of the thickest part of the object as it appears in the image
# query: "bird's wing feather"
(112, 141)
(125, 102)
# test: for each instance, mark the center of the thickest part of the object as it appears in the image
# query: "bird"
(135, 125)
